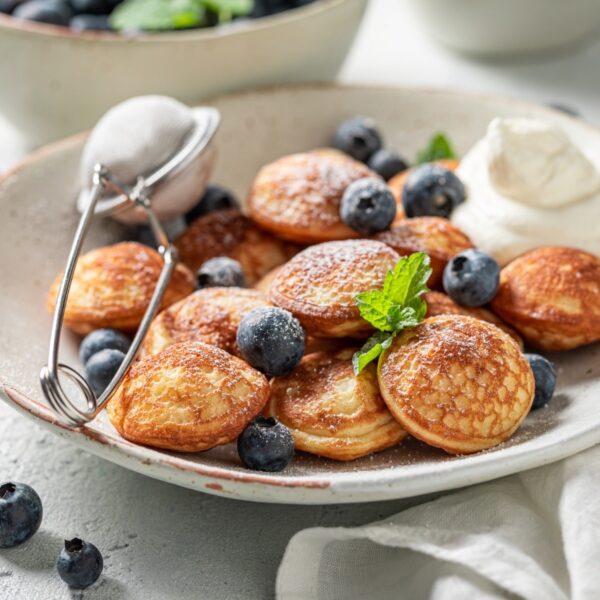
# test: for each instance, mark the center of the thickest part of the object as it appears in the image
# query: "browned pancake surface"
(440, 304)
(457, 383)
(230, 233)
(319, 285)
(211, 315)
(189, 397)
(331, 411)
(438, 238)
(552, 297)
(112, 287)
(298, 196)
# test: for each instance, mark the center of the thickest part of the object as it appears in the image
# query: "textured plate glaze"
(38, 219)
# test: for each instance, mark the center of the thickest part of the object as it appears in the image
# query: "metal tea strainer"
(110, 197)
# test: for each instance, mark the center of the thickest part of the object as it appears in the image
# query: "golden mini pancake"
(312, 344)
(230, 233)
(440, 304)
(189, 397)
(211, 315)
(112, 287)
(331, 411)
(264, 283)
(437, 237)
(298, 197)
(457, 383)
(552, 297)
(397, 182)
(320, 283)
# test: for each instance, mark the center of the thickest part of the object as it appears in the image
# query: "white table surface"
(160, 541)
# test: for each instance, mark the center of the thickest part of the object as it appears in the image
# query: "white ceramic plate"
(38, 219)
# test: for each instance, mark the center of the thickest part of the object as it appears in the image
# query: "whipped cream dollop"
(528, 185)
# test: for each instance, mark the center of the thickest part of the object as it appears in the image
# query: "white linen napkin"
(535, 535)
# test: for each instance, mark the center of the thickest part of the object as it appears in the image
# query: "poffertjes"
(440, 304)
(437, 237)
(230, 233)
(331, 411)
(188, 397)
(210, 315)
(551, 296)
(319, 285)
(457, 383)
(298, 197)
(112, 287)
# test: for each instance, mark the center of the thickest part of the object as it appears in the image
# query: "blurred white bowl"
(503, 27)
(56, 82)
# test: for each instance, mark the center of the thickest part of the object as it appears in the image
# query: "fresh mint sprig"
(438, 148)
(163, 15)
(396, 306)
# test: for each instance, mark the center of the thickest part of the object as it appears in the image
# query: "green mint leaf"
(438, 148)
(402, 317)
(394, 307)
(158, 15)
(372, 348)
(228, 9)
(374, 308)
(408, 280)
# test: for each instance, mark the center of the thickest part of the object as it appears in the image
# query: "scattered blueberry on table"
(266, 445)
(432, 190)
(101, 367)
(20, 513)
(216, 197)
(545, 379)
(387, 163)
(358, 137)
(368, 206)
(79, 563)
(271, 340)
(102, 339)
(221, 271)
(471, 278)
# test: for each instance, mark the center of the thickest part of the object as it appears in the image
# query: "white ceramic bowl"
(56, 82)
(37, 203)
(504, 27)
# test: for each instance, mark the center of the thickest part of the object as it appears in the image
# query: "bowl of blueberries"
(77, 58)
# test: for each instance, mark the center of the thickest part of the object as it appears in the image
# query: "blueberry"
(221, 271)
(20, 513)
(387, 163)
(265, 8)
(271, 340)
(266, 445)
(545, 379)
(215, 198)
(471, 278)
(91, 23)
(101, 339)
(368, 206)
(101, 368)
(7, 6)
(54, 13)
(432, 190)
(90, 7)
(357, 137)
(79, 563)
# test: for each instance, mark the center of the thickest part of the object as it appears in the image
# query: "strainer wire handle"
(49, 377)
